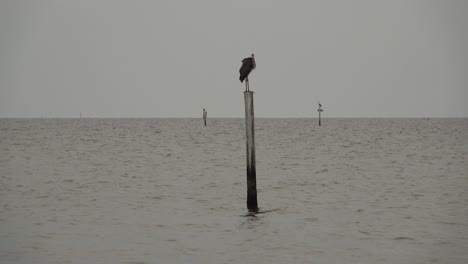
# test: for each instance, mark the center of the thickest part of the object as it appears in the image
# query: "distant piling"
(320, 110)
(320, 118)
(252, 205)
(205, 116)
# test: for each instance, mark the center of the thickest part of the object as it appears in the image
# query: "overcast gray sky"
(368, 58)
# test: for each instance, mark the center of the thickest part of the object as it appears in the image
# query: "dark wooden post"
(252, 205)
(205, 115)
(320, 118)
(320, 110)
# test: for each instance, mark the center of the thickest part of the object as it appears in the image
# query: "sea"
(140, 191)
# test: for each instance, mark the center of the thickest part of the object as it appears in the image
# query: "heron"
(248, 64)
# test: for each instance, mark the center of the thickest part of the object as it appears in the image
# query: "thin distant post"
(205, 116)
(320, 110)
(252, 204)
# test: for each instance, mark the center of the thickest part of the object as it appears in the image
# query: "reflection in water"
(251, 221)
(254, 219)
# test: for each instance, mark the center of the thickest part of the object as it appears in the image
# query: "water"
(173, 191)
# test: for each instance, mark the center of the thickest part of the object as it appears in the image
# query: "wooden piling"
(320, 117)
(320, 110)
(252, 205)
(205, 115)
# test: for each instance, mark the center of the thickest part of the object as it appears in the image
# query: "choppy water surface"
(173, 191)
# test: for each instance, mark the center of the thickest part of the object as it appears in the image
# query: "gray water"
(173, 191)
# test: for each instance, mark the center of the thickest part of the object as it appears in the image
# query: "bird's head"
(252, 55)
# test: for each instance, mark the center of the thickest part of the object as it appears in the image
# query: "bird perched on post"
(248, 64)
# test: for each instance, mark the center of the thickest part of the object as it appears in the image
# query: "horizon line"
(219, 117)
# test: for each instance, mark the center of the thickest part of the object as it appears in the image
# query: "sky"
(158, 58)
